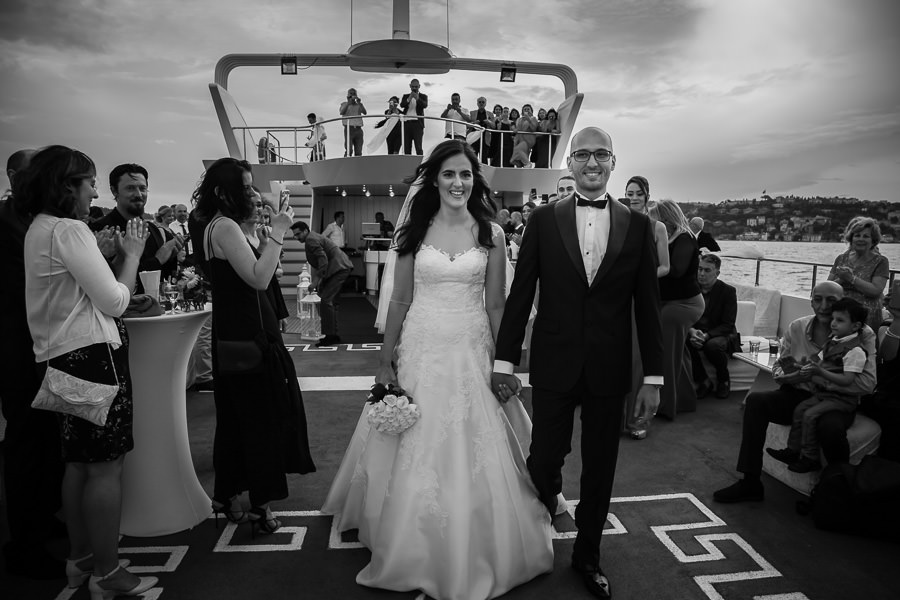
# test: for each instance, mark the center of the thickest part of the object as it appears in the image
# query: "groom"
(593, 258)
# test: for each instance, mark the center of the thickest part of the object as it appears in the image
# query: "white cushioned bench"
(864, 436)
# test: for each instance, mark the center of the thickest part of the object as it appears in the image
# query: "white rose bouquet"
(392, 411)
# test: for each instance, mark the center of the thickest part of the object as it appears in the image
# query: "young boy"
(840, 361)
(316, 138)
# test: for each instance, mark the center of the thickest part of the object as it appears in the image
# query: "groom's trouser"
(551, 441)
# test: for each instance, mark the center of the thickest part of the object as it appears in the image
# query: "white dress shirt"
(335, 233)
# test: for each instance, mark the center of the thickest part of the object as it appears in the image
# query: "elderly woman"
(260, 420)
(682, 306)
(74, 302)
(862, 271)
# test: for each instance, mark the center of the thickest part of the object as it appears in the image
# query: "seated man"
(805, 336)
(714, 333)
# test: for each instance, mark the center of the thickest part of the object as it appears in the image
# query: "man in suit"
(714, 333)
(128, 183)
(594, 259)
(330, 268)
(413, 128)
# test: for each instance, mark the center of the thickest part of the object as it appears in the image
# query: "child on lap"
(840, 361)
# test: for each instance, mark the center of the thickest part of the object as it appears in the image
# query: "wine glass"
(171, 291)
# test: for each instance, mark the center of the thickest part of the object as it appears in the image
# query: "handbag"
(65, 393)
(238, 357)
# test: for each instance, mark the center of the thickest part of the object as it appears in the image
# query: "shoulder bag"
(237, 357)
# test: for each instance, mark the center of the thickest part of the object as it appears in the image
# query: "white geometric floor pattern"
(715, 546)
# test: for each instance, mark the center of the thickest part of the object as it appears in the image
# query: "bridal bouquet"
(392, 411)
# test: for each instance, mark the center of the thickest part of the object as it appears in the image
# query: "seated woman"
(862, 271)
(526, 125)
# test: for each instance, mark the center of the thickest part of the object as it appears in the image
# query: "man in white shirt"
(455, 111)
(335, 231)
(180, 226)
(597, 259)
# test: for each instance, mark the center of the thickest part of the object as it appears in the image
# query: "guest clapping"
(862, 271)
(73, 310)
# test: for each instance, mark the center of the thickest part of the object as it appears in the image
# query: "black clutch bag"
(239, 357)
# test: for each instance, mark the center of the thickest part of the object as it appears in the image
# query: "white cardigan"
(70, 291)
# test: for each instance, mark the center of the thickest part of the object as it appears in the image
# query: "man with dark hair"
(565, 186)
(33, 466)
(128, 183)
(352, 109)
(413, 128)
(455, 112)
(715, 333)
(335, 229)
(805, 336)
(330, 267)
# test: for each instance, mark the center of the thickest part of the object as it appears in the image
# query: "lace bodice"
(445, 282)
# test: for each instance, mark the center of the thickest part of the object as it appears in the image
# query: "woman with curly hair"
(451, 495)
(862, 271)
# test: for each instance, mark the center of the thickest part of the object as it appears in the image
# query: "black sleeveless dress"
(260, 420)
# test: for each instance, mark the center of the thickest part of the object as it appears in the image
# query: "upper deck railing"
(295, 145)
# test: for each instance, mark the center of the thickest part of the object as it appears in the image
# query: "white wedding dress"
(448, 506)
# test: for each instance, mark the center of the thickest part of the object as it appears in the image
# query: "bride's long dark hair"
(424, 205)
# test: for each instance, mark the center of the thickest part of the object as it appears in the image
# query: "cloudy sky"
(710, 99)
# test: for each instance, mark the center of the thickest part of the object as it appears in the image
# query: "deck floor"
(666, 538)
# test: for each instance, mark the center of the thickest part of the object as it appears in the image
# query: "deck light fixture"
(344, 193)
(288, 65)
(508, 73)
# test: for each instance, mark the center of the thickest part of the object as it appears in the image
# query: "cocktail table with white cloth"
(160, 490)
(863, 435)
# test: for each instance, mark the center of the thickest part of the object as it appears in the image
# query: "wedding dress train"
(448, 506)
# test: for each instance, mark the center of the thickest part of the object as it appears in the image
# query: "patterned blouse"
(876, 266)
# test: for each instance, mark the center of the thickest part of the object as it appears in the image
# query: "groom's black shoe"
(594, 580)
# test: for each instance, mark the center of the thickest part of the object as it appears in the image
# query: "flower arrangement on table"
(392, 411)
(194, 288)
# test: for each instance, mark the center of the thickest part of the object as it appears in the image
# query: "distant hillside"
(793, 218)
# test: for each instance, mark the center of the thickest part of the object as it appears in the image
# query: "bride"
(447, 507)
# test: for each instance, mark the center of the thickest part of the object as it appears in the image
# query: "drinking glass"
(172, 293)
(754, 348)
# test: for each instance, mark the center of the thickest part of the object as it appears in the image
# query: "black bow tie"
(601, 204)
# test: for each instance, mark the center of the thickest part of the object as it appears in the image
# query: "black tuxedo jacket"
(720, 313)
(421, 105)
(580, 328)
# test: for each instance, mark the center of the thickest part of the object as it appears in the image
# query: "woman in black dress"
(260, 420)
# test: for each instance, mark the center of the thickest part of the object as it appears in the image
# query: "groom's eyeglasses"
(584, 155)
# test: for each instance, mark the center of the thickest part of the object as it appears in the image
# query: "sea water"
(788, 278)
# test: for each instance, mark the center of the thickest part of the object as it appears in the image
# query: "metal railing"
(271, 148)
(815, 267)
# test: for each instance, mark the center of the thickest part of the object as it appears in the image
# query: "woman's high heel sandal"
(101, 587)
(228, 510)
(262, 519)
(77, 577)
